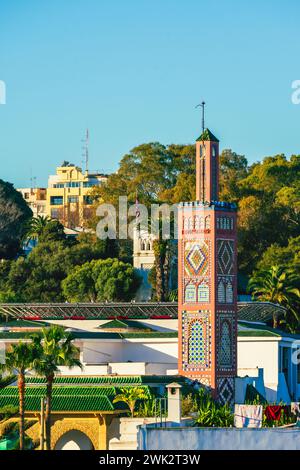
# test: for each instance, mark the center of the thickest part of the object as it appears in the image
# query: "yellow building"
(68, 194)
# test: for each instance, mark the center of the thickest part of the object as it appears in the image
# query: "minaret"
(207, 279)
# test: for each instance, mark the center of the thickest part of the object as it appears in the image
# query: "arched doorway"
(74, 440)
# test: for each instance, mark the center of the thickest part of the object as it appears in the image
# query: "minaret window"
(190, 293)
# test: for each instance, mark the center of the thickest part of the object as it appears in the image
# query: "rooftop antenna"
(86, 151)
(202, 105)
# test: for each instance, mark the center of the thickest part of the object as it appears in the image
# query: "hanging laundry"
(248, 416)
(295, 408)
(273, 412)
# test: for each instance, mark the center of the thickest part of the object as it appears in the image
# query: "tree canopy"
(14, 214)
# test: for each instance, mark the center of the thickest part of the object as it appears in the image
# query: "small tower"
(207, 279)
(207, 167)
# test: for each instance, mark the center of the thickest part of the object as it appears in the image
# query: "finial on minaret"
(202, 106)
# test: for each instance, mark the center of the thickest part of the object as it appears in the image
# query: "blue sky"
(132, 71)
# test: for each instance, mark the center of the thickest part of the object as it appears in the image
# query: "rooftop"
(207, 135)
(247, 310)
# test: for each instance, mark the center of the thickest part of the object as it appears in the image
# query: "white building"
(36, 199)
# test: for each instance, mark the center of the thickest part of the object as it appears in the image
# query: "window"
(72, 199)
(73, 184)
(56, 213)
(56, 200)
(190, 293)
(87, 200)
(59, 185)
(203, 292)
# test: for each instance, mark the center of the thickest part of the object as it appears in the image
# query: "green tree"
(101, 280)
(55, 348)
(19, 359)
(277, 286)
(36, 227)
(14, 214)
(53, 231)
(130, 395)
(287, 256)
(233, 168)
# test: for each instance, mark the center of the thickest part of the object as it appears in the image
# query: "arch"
(190, 293)
(229, 293)
(93, 428)
(221, 292)
(148, 248)
(203, 292)
(74, 440)
(225, 344)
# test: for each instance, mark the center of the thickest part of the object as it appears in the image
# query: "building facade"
(207, 279)
(36, 199)
(68, 195)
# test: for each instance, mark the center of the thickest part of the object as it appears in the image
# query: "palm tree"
(55, 349)
(20, 359)
(130, 395)
(36, 227)
(276, 285)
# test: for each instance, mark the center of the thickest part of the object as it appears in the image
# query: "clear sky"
(132, 71)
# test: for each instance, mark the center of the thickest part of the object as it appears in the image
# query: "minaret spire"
(202, 105)
(207, 164)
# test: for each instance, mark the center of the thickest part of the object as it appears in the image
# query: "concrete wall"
(262, 354)
(150, 350)
(122, 432)
(217, 439)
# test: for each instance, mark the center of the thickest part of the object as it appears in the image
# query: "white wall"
(152, 350)
(191, 438)
(263, 354)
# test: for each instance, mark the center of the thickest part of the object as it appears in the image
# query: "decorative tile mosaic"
(196, 340)
(196, 258)
(225, 256)
(207, 221)
(190, 293)
(203, 292)
(225, 345)
(202, 379)
(225, 334)
(225, 387)
(229, 292)
(196, 352)
(225, 290)
(221, 291)
(224, 223)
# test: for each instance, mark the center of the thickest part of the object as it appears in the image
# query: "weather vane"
(202, 106)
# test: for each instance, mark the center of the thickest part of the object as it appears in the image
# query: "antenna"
(85, 149)
(202, 105)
